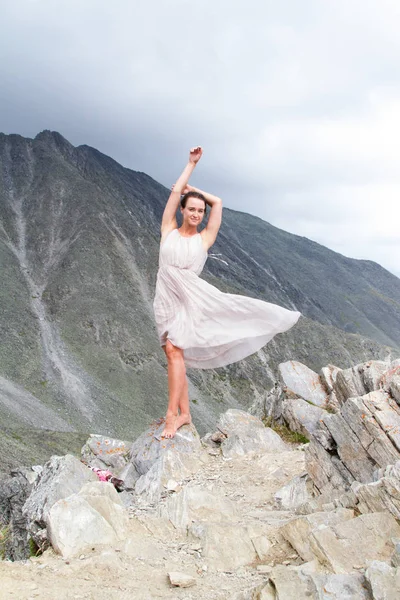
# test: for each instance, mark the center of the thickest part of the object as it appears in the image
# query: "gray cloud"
(297, 105)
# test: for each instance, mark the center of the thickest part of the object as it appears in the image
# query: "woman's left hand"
(188, 188)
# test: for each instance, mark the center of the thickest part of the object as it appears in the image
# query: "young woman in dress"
(198, 325)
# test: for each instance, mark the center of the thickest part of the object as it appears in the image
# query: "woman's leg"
(184, 417)
(176, 386)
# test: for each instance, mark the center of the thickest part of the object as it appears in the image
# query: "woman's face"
(193, 213)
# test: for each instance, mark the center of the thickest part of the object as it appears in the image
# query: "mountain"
(79, 240)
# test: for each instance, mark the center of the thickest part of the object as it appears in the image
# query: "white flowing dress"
(213, 328)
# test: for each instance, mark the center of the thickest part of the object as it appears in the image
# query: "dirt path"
(137, 568)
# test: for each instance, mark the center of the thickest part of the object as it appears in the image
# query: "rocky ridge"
(240, 514)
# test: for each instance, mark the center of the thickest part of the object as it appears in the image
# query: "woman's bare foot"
(170, 426)
(182, 419)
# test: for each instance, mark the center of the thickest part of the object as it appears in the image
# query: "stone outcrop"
(244, 434)
(351, 446)
(61, 477)
(97, 515)
(14, 491)
(156, 460)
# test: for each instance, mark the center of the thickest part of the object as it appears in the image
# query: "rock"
(380, 495)
(262, 546)
(226, 546)
(294, 494)
(387, 413)
(97, 515)
(301, 416)
(89, 528)
(372, 373)
(247, 434)
(255, 592)
(363, 437)
(327, 471)
(328, 376)
(14, 491)
(303, 382)
(112, 454)
(350, 544)
(396, 555)
(103, 497)
(194, 503)
(394, 388)
(291, 584)
(178, 579)
(349, 384)
(61, 477)
(297, 531)
(366, 416)
(340, 587)
(384, 581)
(158, 460)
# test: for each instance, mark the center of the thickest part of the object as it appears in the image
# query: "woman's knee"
(173, 352)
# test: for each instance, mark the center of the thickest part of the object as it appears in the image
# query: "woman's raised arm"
(169, 217)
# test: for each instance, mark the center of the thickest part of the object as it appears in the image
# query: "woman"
(199, 326)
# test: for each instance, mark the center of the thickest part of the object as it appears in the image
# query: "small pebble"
(82, 556)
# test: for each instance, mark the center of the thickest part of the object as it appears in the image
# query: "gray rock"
(14, 491)
(303, 382)
(157, 460)
(349, 384)
(328, 473)
(107, 453)
(247, 434)
(340, 587)
(294, 493)
(380, 495)
(395, 388)
(297, 531)
(345, 547)
(194, 503)
(372, 373)
(291, 584)
(226, 546)
(328, 376)
(396, 555)
(183, 580)
(301, 416)
(61, 477)
(384, 581)
(90, 528)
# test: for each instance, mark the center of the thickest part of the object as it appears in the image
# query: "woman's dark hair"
(194, 195)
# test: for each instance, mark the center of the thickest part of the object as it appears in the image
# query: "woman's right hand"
(195, 154)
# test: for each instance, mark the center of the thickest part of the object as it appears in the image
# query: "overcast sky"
(296, 104)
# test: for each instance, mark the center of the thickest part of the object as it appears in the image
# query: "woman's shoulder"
(165, 231)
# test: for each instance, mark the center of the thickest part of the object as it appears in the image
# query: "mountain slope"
(79, 240)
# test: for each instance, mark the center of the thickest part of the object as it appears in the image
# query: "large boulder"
(297, 531)
(14, 491)
(97, 515)
(351, 545)
(111, 454)
(303, 417)
(384, 580)
(157, 460)
(294, 493)
(243, 434)
(303, 382)
(194, 503)
(355, 443)
(60, 477)
(380, 495)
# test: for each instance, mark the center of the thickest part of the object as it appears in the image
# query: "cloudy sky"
(296, 104)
